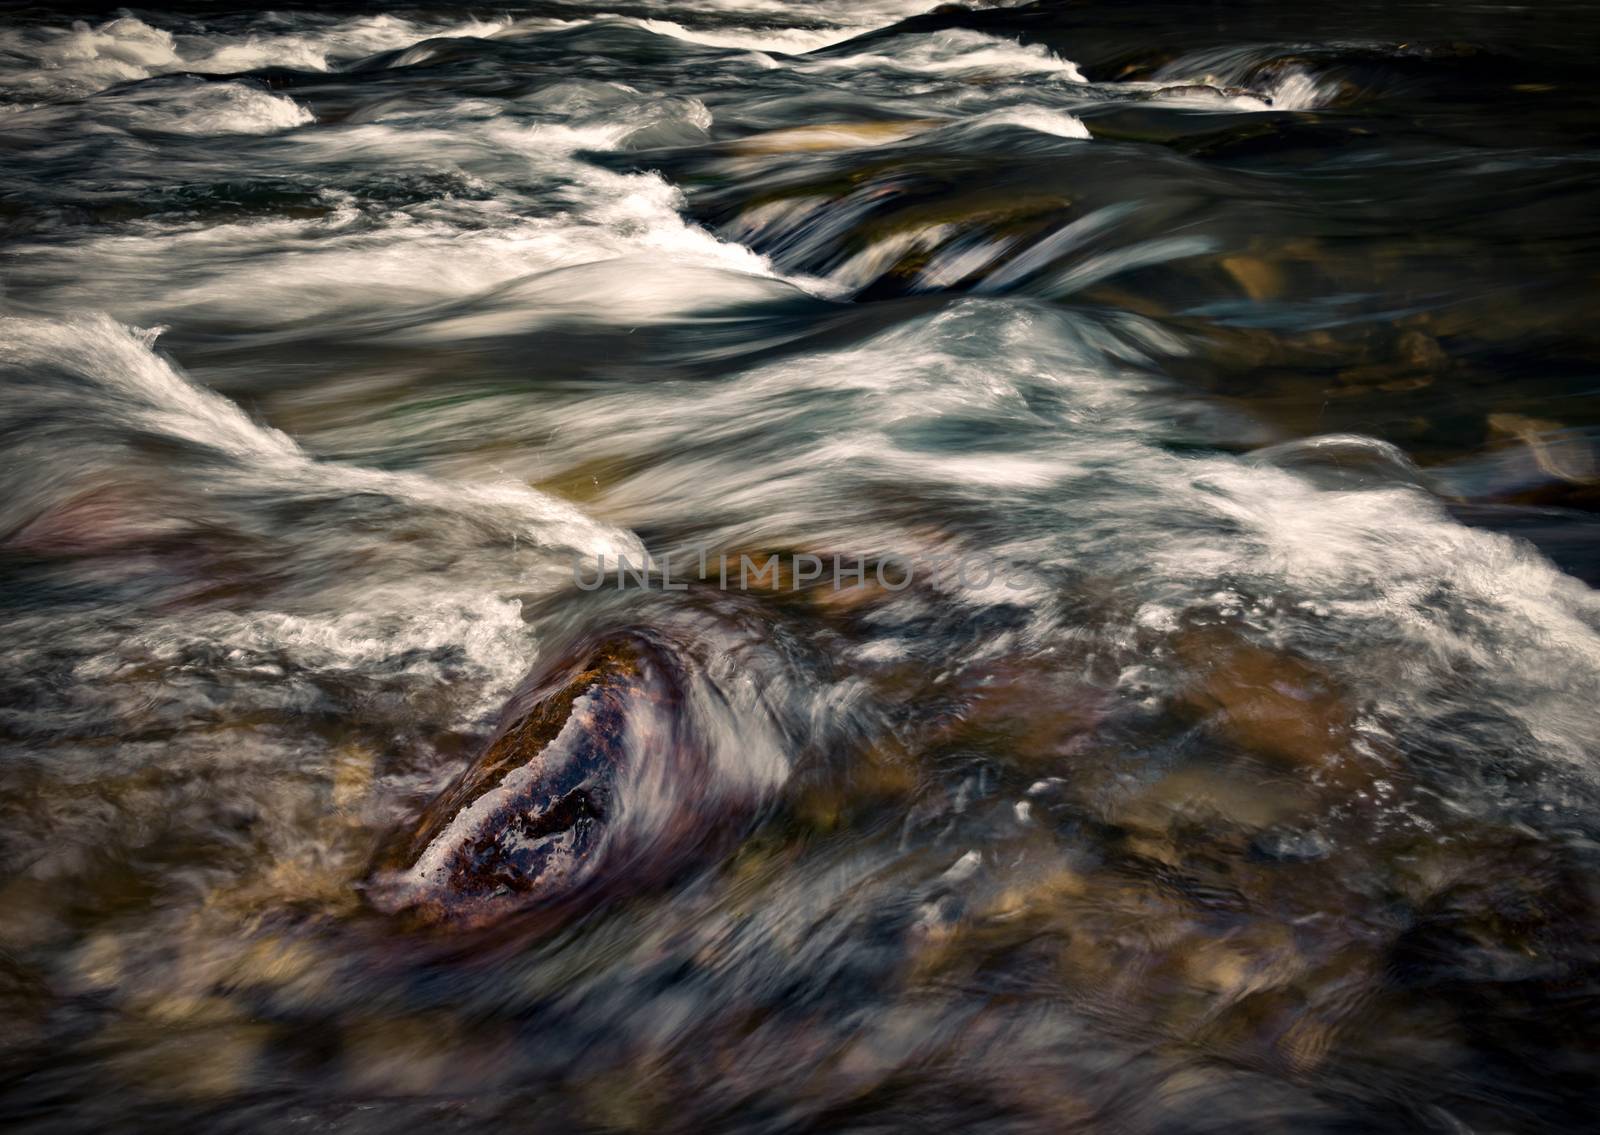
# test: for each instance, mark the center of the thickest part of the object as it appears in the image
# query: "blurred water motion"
(1256, 341)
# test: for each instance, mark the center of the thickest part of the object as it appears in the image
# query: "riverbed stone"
(523, 826)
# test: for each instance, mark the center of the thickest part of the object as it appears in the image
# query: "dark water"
(1257, 343)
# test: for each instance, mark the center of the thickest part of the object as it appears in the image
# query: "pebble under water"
(1241, 778)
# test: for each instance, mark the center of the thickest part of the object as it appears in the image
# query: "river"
(1048, 548)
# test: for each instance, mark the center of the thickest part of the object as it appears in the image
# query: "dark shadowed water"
(1247, 353)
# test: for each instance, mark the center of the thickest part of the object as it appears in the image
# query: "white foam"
(426, 592)
(117, 378)
(1435, 604)
(1040, 118)
(1299, 90)
(949, 267)
(963, 869)
(957, 53)
(836, 17)
(1231, 77)
(126, 379)
(79, 60)
(211, 109)
(784, 41)
(272, 273)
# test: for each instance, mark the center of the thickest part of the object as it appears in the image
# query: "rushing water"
(1256, 345)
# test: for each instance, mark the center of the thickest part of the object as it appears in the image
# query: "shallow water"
(1244, 354)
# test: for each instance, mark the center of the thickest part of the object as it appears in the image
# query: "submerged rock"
(1272, 704)
(593, 764)
(825, 136)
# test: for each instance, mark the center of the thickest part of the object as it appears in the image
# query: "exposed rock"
(529, 823)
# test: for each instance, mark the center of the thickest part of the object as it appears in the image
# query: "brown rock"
(1260, 279)
(1275, 705)
(828, 136)
(529, 823)
(1562, 454)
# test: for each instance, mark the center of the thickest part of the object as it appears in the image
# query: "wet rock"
(877, 777)
(1530, 461)
(1291, 845)
(1565, 456)
(1218, 800)
(1274, 705)
(218, 1056)
(1258, 278)
(824, 136)
(25, 1001)
(1042, 713)
(1412, 361)
(97, 519)
(593, 766)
